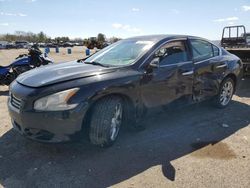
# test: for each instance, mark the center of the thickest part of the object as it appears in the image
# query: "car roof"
(157, 38)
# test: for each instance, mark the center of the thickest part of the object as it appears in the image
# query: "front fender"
(97, 88)
(126, 87)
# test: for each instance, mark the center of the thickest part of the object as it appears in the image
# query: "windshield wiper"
(96, 63)
(81, 60)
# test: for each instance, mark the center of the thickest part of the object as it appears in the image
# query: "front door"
(172, 79)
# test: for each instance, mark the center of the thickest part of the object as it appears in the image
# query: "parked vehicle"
(22, 64)
(67, 44)
(22, 44)
(41, 45)
(3, 44)
(51, 45)
(10, 46)
(236, 40)
(116, 85)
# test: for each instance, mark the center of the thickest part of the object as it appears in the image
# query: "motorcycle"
(23, 63)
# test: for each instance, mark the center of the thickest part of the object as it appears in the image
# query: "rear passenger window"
(202, 50)
(216, 50)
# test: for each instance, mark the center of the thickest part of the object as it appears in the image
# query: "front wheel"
(6, 80)
(106, 121)
(226, 92)
(21, 69)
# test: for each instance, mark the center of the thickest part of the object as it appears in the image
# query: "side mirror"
(155, 63)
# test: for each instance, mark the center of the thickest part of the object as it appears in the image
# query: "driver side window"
(173, 53)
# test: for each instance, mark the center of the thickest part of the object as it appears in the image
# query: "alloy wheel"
(226, 93)
(116, 122)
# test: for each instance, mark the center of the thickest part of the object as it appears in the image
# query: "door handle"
(187, 73)
(221, 66)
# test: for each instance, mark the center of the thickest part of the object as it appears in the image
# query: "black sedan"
(115, 86)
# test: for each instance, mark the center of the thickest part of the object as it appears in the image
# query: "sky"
(127, 18)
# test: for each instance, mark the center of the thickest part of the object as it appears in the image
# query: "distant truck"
(236, 40)
(248, 38)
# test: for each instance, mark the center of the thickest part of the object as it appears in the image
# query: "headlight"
(56, 102)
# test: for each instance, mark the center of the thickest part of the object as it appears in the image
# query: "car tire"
(226, 92)
(106, 120)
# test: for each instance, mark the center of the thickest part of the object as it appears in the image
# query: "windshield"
(122, 53)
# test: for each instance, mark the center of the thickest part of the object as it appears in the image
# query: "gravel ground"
(8, 56)
(196, 146)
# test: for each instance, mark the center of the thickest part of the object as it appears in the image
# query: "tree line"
(25, 36)
(41, 37)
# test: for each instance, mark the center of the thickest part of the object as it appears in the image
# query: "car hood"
(55, 73)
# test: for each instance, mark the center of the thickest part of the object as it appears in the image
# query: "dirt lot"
(196, 146)
(8, 56)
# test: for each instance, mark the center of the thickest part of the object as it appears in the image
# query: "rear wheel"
(106, 121)
(226, 92)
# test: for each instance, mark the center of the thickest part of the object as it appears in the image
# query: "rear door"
(208, 67)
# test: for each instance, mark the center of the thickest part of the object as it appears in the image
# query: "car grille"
(16, 102)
